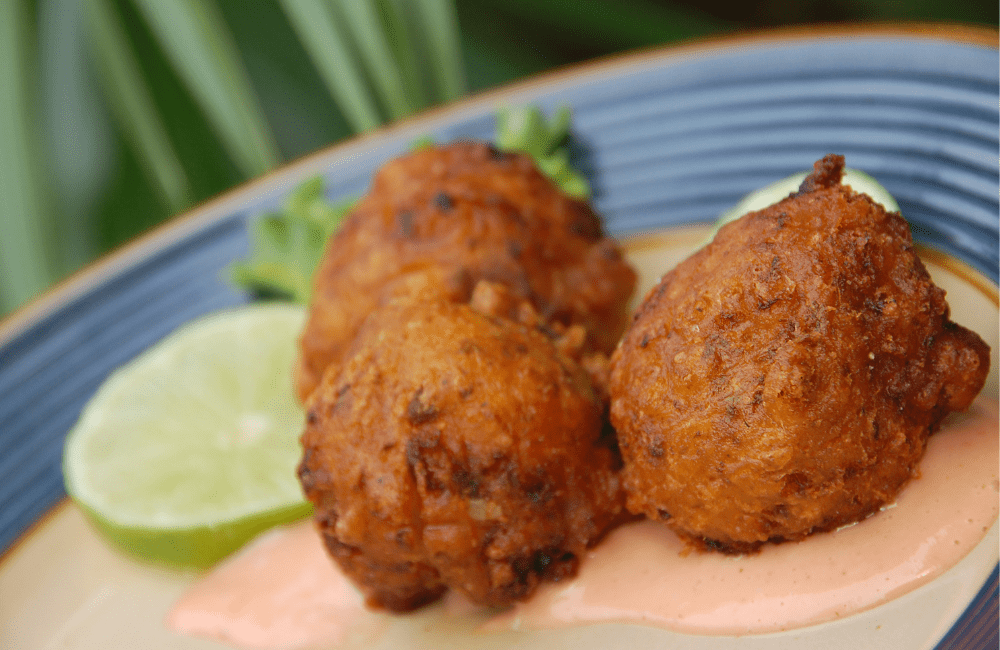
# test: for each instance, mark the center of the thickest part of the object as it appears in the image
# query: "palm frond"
(370, 37)
(439, 22)
(619, 24)
(401, 36)
(76, 138)
(130, 101)
(24, 255)
(324, 40)
(198, 44)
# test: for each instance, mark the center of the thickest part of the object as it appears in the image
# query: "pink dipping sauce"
(640, 574)
(284, 592)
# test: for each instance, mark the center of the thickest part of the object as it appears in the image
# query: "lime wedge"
(190, 450)
(771, 194)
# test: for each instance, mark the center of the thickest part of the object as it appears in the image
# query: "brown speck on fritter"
(462, 446)
(784, 379)
(465, 208)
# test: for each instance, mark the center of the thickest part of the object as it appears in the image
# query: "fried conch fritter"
(468, 207)
(784, 379)
(460, 446)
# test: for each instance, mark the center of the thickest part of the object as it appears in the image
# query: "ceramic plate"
(669, 138)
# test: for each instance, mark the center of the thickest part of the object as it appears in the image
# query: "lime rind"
(189, 450)
(199, 547)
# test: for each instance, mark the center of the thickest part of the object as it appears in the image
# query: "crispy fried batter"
(467, 207)
(784, 379)
(458, 447)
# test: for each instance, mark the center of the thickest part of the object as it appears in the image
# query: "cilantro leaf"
(287, 245)
(527, 130)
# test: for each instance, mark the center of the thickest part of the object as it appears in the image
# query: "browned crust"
(784, 379)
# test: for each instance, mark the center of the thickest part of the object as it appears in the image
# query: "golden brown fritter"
(467, 207)
(458, 448)
(784, 379)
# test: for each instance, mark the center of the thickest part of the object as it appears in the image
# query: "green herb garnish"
(288, 245)
(527, 130)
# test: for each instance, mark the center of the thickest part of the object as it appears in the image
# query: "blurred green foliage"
(117, 114)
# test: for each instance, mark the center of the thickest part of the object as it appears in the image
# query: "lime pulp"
(190, 450)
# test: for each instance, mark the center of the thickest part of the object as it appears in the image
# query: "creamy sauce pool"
(284, 592)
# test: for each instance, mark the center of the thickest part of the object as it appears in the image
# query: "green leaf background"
(117, 114)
